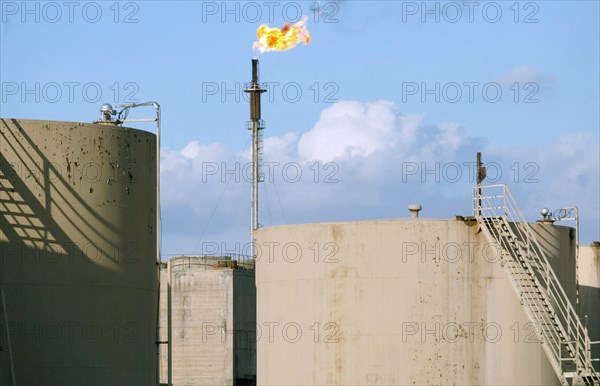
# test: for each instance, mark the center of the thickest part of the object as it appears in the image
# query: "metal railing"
(212, 260)
(565, 339)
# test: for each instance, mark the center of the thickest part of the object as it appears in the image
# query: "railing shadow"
(58, 194)
(62, 270)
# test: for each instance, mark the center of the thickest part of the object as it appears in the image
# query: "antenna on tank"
(481, 174)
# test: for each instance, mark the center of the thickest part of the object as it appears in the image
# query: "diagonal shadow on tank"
(62, 279)
(29, 228)
(52, 183)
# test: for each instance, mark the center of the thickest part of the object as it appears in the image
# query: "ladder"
(260, 155)
(563, 337)
(259, 146)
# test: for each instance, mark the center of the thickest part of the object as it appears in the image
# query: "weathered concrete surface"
(213, 316)
(589, 292)
(390, 303)
(77, 254)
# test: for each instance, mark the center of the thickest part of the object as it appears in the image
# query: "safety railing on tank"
(495, 202)
(240, 260)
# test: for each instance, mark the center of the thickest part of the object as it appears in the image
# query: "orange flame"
(288, 37)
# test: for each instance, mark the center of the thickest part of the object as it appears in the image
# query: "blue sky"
(383, 87)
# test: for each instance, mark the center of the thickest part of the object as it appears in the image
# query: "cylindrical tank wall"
(589, 293)
(558, 244)
(390, 302)
(78, 263)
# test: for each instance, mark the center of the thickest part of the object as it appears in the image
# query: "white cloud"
(523, 74)
(350, 129)
(282, 148)
(365, 161)
(172, 159)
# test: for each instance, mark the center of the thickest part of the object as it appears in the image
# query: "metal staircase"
(563, 337)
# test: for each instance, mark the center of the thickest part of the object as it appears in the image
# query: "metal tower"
(256, 125)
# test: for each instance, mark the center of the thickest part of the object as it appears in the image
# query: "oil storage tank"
(393, 302)
(78, 255)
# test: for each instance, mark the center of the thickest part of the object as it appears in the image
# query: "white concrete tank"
(213, 313)
(78, 267)
(397, 302)
(589, 293)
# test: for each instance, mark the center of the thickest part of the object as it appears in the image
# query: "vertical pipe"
(254, 177)
(255, 71)
(8, 342)
(156, 106)
(158, 227)
(254, 116)
(169, 328)
(586, 346)
(577, 260)
(158, 341)
(158, 257)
